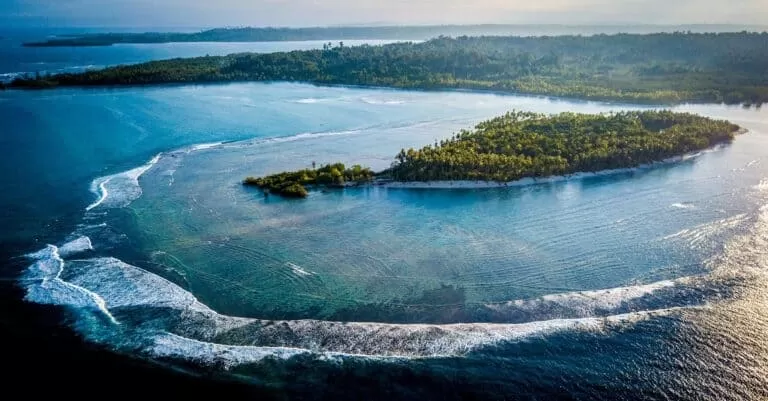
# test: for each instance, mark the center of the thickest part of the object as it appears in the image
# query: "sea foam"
(171, 322)
(595, 303)
(44, 285)
(181, 326)
(119, 190)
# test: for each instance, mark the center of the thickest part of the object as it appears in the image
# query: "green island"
(655, 68)
(293, 184)
(521, 145)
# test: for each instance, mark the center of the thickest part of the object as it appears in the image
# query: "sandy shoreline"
(468, 184)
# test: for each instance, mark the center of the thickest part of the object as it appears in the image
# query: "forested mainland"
(529, 145)
(655, 68)
(420, 32)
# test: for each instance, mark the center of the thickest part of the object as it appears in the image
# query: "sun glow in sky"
(193, 13)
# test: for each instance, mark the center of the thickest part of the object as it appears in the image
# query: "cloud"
(335, 12)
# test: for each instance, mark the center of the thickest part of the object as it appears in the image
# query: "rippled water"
(648, 282)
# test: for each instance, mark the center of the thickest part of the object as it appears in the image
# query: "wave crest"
(119, 190)
(171, 322)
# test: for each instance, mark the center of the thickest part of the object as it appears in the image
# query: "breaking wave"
(309, 135)
(167, 321)
(119, 190)
(374, 101)
(45, 286)
(204, 146)
(163, 320)
(171, 322)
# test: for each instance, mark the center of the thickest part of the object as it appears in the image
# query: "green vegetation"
(520, 144)
(528, 145)
(292, 184)
(274, 34)
(657, 68)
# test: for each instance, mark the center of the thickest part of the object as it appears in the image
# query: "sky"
(213, 13)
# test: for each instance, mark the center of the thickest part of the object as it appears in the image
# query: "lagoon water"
(649, 283)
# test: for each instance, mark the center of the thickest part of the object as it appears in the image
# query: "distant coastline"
(403, 32)
(658, 68)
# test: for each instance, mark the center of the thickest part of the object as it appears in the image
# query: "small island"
(520, 145)
(293, 184)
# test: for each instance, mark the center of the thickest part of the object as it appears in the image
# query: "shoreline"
(616, 101)
(479, 184)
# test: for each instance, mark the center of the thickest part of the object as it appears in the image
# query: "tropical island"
(656, 68)
(521, 145)
(293, 184)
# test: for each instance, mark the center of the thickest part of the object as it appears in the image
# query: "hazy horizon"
(303, 13)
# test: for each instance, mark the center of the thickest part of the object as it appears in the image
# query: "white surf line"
(452, 341)
(590, 300)
(468, 336)
(149, 165)
(203, 146)
(137, 172)
(56, 278)
(104, 193)
(358, 339)
(298, 270)
(78, 245)
(134, 174)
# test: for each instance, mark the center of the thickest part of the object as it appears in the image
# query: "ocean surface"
(17, 61)
(123, 211)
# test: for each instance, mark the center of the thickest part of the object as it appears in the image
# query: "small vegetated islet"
(294, 184)
(521, 145)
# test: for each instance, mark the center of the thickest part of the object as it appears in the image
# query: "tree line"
(276, 34)
(523, 144)
(657, 68)
(293, 184)
(520, 145)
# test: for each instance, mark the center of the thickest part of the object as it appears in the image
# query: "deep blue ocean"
(122, 211)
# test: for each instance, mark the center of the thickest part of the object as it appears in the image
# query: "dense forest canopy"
(292, 184)
(680, 67)
(528, 145)
(275, 34)
(521, 144)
